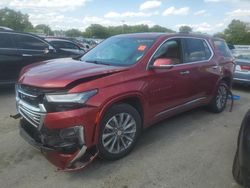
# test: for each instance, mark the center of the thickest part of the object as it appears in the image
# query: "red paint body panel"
(67, 70)
(58, 159)
(85, 117)
(157, 89)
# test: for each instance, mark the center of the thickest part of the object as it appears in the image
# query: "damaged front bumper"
(66, 152)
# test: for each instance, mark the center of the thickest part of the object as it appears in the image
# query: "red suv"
(76, 109)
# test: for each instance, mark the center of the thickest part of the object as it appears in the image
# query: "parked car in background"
(66, 48)
(20, 49)
(2, 28)
(230, 46)
(76, 109)
(241, 164)
(242, 72)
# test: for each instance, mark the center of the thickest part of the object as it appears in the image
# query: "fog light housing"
(73, 133)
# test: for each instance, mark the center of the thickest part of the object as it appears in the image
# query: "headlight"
(62, 102)
(80, 98)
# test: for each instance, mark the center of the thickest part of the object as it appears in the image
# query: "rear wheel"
(219, 102)
(120, 129)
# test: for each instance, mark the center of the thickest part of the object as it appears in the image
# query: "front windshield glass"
(119, 51)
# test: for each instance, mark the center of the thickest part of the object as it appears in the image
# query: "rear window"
(29, 42)
(5, 40)
(223, 48)
(196, 50)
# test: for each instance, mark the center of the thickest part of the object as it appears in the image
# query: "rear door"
(10, 60)
(204, 70)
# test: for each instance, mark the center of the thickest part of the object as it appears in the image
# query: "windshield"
(121, 51)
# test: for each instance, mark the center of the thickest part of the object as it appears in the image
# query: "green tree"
(73, 33)
(185, 29)
(44, 29)
(100, 31)
(15, 20)
(220, 35)
(158, 28)
(96, 31)
(237, 32)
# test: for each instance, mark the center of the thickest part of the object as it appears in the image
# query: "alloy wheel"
(221, 97)
(119, 133)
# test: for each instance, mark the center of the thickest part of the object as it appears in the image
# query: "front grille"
(29, 105)
(32, 97)
(35, 118)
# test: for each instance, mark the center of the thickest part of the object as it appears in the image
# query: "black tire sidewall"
(236, 171)
(213, 105)
(116, 109)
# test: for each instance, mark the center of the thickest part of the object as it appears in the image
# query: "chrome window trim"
(182, 37)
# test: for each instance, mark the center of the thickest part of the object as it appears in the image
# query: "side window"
(66, 45)
(171, 50)
(223, 48)
(6, 40)
(195, 50)
(56, 44)
(30, 43)
(71, 46)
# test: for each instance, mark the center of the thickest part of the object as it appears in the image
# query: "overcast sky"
(203, 15)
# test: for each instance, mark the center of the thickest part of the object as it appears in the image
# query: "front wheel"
(237, 175)
(219, 102)
(119, 131)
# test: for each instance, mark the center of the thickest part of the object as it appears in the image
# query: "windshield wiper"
(97, 62)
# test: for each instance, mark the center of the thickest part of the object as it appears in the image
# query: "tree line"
(237, 32)
(18, 21)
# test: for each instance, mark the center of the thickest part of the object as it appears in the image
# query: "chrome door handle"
(215, 67)
(184, 72)
(26, 55)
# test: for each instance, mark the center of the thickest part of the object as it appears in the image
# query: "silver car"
(242, 71)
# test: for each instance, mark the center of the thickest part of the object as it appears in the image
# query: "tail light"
(245, 67)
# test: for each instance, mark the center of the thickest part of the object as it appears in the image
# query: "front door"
(168, 88)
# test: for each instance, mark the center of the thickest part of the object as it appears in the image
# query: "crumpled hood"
(58, 73)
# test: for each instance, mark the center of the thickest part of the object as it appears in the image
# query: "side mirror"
(49, 49)
(162, 63)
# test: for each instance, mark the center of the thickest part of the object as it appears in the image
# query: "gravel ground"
(194, 149)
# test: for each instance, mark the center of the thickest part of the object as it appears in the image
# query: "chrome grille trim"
(27, 94)
(33, 114)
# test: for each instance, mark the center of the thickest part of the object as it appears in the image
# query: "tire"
(219, 101)
(237, 175)
(120, 129)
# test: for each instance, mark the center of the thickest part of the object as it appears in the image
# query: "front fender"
(110, 102)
